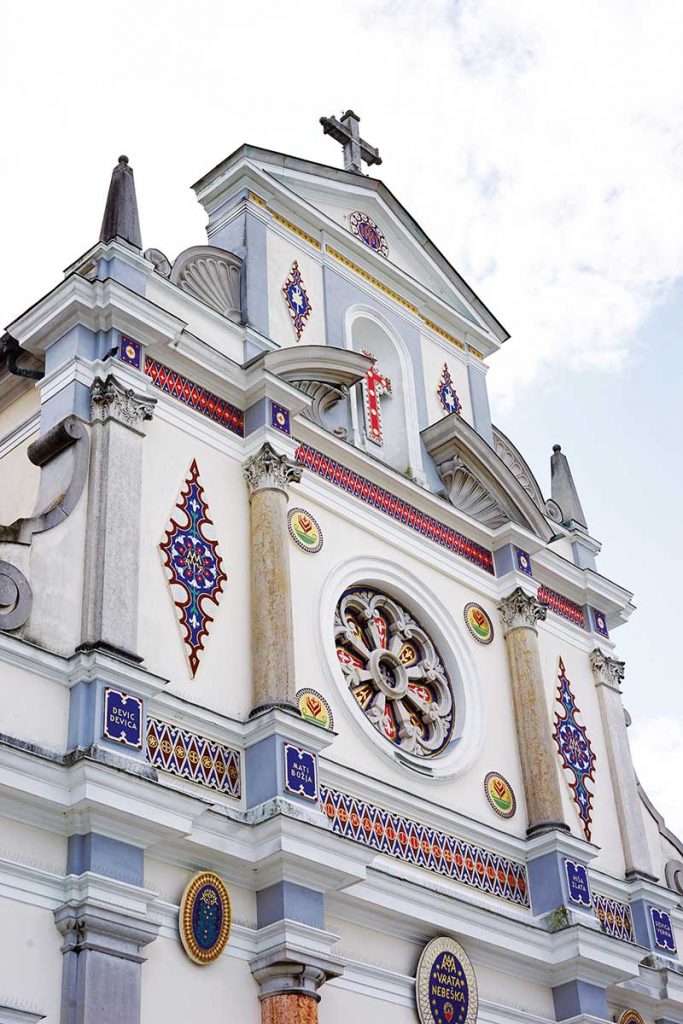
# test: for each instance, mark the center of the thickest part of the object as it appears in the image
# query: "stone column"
(519, 613)
(609, 673)
(112, 556)
(289, 984)
(267, 474)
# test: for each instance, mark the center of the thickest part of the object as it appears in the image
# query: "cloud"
(657, 747)
(540, 145)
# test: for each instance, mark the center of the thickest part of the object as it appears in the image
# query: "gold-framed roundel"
(304, 530)
(205, 917)
(478, 622)
(630, 1017)
(500, 795)
(314, 707)
(445, 984)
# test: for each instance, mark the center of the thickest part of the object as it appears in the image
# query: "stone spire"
(121, 212)
(563, 489)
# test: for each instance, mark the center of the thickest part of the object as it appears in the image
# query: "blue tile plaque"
(301, 772)
(123, 716)
(523, 562)
(578, 886)
(130, 352)
(279, 418)
(663, 930)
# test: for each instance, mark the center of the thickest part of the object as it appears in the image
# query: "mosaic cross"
(356, 150)
(375, 385)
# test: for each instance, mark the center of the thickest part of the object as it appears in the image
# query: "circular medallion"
(479, 623)
(205, 917)
(315, 708)
(394, 672)
(304, 530)
(445, 984)
(630, 1017)
(370, 234)
(500, 795)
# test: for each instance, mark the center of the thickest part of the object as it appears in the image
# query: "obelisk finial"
(121, 211)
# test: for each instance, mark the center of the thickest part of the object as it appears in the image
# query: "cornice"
(99, 306)
(287, 205)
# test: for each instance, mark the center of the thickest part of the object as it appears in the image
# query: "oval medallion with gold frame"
(304, 530)
(630, 1017)
(205, 917)
(478, 622)
(500, 795)
(314, 707)
(445, 984)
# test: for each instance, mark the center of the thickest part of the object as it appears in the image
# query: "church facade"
(311, 700)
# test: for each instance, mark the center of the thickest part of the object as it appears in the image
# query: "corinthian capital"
(268, 470)
(112, 400)
(607, 671)
(519, 610)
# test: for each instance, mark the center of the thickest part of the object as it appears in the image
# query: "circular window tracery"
(394, 672)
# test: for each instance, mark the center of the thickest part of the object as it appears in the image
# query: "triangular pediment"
(345, 206)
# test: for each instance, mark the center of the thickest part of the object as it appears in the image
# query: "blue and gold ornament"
(205, 917)
(445, 984)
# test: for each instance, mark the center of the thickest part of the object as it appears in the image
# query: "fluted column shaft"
(267, 474)
(519, 613)
(608, 673)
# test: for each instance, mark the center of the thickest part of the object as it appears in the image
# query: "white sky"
(539, 144)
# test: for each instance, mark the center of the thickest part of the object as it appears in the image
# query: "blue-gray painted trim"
(504, 560)
(78, 341)
(547, 882)
(479, 399)
(256, 416)
(105, 856)
(255, 272)
(117, 269)
(583, 556)
(86, 719)
(261, 763)
(577, 997)
(292, 902)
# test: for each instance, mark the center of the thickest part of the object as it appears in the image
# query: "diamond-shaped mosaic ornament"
(575, 750)
(296, 297)
(194, 568)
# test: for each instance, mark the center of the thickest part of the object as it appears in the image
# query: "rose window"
(394, 672)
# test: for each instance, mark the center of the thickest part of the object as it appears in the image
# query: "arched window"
(384, 414)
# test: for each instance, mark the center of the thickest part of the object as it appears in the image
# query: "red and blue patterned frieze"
(615, 918)
(195, 396)
(425, 847)
(562, 606)
(193, 757)
(394, 507)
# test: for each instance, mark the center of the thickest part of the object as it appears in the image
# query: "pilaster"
(268, 474)
(520, 612)
(105, 924)
(110, 592)
(608, 674)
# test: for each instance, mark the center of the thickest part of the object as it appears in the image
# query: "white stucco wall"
(222, 681)
(282, 252)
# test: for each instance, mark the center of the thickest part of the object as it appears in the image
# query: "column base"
(281, 705)
(541, 827)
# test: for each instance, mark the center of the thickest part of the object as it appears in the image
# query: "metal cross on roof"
(347, 133)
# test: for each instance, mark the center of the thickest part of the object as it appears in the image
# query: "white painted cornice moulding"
(99, 306)
(417, 913)
(13, 438)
